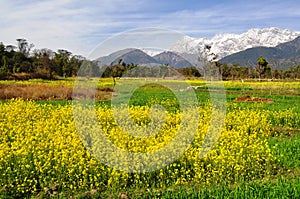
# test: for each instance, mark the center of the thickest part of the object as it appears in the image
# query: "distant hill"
(172, 59)
(128, 55)
(136, 56)
(282, 56)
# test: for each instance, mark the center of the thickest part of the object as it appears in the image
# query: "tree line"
(262, 70)
(24, 62)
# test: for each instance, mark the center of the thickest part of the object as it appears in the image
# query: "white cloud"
(44, 23)
(80, 25)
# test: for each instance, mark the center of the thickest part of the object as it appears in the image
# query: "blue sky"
(79, 26)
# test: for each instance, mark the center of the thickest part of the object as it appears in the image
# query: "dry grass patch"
(46, 92)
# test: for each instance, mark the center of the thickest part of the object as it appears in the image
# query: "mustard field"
(44, 154)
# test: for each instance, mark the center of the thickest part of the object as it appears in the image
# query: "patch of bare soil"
(247, 98)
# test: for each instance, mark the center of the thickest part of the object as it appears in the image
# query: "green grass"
(280, 188)
(287, 151)
(288, 188)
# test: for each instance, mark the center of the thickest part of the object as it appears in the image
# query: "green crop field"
(43, 154)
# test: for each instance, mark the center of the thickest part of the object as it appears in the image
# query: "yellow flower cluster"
(40, 147)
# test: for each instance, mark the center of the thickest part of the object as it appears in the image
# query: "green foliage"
(287, 149)
(39, 63)
(263, 67)
(189, 72)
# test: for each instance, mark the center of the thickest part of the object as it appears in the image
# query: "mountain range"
(137, 56)
(279, 46)
(282, 56)
(227, 44)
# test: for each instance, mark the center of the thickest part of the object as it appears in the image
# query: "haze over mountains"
(239, 49)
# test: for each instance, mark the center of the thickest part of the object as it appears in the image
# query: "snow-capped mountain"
(227, 44)
(284, 55)
(223, 45)
(152, 51)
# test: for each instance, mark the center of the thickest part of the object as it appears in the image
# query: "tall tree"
(45, 63)
(24, 47)
(62, 59)
(208, 60)
(2, 48)
(263, 67)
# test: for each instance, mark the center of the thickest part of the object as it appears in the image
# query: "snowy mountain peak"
(227, 44)
(152, 51)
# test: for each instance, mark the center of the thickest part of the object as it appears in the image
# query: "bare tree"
(208, 61)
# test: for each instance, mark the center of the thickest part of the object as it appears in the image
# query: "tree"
(295, 72)
(10, 48)
(24, 47)
(189, 72)
(44, 63)
(18, 58)
(4, 68)
(74, 65)
(208, 60)
(89, 69)
(62, 60)
(2, 48)
(276, 74)
(234, 71)
(263, 67)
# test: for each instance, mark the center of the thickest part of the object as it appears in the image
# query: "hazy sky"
(79, 26)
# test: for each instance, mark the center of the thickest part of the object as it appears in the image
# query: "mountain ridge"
(227, 44)
(172, 59)
(137, 56)
(256, 41)
(283, 55)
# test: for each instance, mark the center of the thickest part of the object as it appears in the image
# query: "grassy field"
(43, 154)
